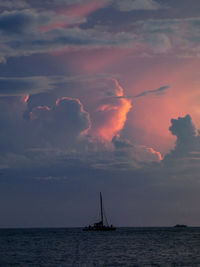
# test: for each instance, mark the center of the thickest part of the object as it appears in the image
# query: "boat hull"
(99, 229)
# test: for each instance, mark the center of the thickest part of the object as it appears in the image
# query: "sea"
(153, 246)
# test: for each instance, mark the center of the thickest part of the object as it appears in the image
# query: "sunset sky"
(99, 95)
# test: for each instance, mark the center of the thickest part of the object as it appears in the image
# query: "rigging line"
(104, 211)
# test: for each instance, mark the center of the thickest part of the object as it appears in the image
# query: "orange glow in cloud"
(119, 90)
(43, 108)
(70, 98)
(26, 98)
(156, 153)
(111, 116)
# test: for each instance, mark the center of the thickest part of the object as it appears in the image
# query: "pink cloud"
(83, 9)
(73, 14)
(110, 115)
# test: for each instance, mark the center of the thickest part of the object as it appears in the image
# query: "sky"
(99, 96)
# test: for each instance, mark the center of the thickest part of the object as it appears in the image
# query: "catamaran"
(100, 226)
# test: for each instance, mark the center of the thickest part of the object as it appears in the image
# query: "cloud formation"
(62, 123)
(138, 153)
(12, 4)
(10, 86)
(61, 126)
(111, 114)
(159, 91)
(33, 85)
(32, 31)
(129, 5)
(187, 146)
(29, 32)
(73, 127)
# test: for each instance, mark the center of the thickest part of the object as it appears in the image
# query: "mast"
(101, 206)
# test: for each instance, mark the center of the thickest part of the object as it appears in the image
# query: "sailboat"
(100, 226)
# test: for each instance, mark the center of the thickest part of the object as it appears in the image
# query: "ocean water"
(123, 247)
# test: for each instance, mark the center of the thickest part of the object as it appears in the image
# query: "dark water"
(125, 247)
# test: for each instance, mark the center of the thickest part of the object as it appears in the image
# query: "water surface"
(123, 247)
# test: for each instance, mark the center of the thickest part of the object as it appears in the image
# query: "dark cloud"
(158, 91)
(17, 22)
(183, 128)
(187, 144)
(161, 90)
(119, 143)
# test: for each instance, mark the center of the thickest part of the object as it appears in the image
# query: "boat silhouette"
(180, 226)
(100, 226)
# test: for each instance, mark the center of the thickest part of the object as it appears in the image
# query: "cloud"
(62, 123)
(158, 42)
(159, 91)
(183, 128)
(45, 129)
(111, 114)
(157, 153)
(122, 5)
(129, 5)
(12, 4)
(10, 86)
(32, 31)
(123, 166)
(77, 3)
(175, 34)
(107, 116)
(187, 146)
(33, 85)
(29, 32)
(119, 143)
(138, 153)
(16, 22)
